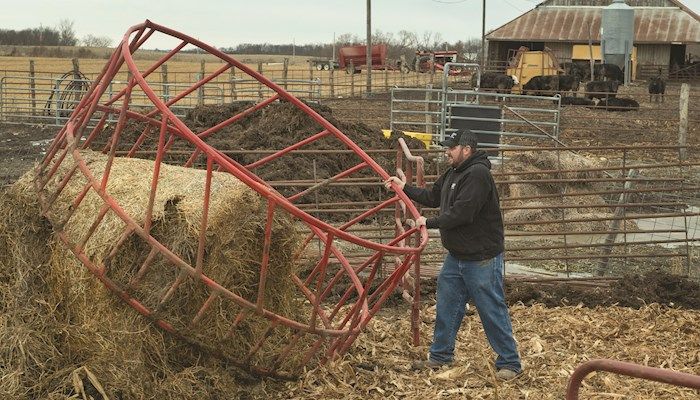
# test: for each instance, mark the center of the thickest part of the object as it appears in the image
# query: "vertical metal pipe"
(369, 47)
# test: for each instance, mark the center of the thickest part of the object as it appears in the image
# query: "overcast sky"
(227, 23)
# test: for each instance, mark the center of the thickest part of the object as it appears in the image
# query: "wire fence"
(618, 194)
(567, 213)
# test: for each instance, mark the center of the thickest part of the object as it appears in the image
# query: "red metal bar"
(205, 307)
(334, 178)
(139, 141)
(115, 138)
(629, 369)
(95, 224)
(154, 177)
(319, 282)
(240, 115)
(144, 268)
(266, 254)
(289, 149)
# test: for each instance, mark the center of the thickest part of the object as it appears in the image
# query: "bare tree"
(430, 40)
(68, 37)
(347, 39)
(382, 37)
(407, 39)
(96, 41)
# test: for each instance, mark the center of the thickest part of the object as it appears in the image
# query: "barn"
(667, 35)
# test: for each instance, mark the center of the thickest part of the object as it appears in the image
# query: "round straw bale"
(232, 254)
(577, 165)
(28, 324)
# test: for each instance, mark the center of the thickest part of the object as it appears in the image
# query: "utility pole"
(369, 47)
(483, 35)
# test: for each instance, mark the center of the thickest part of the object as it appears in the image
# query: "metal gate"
(440, 111)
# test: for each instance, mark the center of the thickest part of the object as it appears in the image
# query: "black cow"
(578, 69)
(551, 84)
(657, 87)
(601, 89)
(491, 80)
(608, 72)
(601, 72)
(575, 101)
(618, 104)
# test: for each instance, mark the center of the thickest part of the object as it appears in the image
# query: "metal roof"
(570, 24)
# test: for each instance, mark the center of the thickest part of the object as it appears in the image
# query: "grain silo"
(617, 35)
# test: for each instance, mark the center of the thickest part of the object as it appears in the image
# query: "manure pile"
(280, 125)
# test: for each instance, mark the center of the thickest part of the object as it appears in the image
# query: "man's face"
(456, 154)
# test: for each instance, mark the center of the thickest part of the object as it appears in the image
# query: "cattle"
(551, 84)
(601, 72)
(601, 89)
(577, 69)
(608, 72)
(657, 88)
(492, 80)
(575, 101)
(618, 104)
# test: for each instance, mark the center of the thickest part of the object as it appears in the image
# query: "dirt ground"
(20, 146)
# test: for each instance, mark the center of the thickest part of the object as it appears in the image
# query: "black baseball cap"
(460, 137)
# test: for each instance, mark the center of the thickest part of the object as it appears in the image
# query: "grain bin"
(617, 35)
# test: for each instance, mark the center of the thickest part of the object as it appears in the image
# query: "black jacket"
(471, 227)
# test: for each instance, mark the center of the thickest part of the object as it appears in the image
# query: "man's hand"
(420, 221)
(396, 180)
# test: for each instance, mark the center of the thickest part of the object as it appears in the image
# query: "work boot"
(419, 365)
(506, 374)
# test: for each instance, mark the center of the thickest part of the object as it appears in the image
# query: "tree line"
(404, 43)
(62, 35)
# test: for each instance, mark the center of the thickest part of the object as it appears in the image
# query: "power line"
(449, 2)
(514, 6)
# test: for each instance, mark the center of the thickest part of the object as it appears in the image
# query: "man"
(471, 229)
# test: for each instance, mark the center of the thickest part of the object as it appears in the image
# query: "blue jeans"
(482, 283)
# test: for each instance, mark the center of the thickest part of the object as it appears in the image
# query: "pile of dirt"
(634, 291)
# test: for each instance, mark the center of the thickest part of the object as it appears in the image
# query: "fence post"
(200, 92)
(352, 79)
(76, 68)
(683, 124)
(428, 119)
(331, 79)
(260, 70)
(285, 72)
(416, 69)
(32, 87)
(232, 79)
(164, 82)
(615, 224)
(386, 78)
